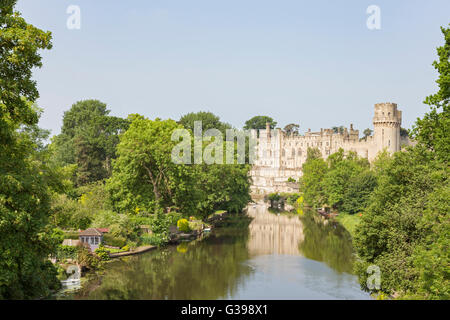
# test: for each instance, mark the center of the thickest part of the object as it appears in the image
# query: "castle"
(280, 156)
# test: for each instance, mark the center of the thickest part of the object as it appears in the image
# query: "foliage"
(88, 139)
(102, 253)
(66, 252)
(183, 225)
(259, 122)
(367, 132)
(291, 129)
(25, 235)
(209, 121)
(432, 131)
(89, 209)
(393, 232)
(345, 181)
(405, 229)
(349, 221)
(144, 175)
(114, 241)
(86, 259)
(339, 129)
(279, 199)
(314, 170)
(153, 239)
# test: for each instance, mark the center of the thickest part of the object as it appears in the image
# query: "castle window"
(389, 143)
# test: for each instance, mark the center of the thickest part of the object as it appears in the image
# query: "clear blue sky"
(309, 62)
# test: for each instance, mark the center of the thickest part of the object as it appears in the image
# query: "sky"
(314, 63)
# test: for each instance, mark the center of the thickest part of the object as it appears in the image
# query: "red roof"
(93, 231)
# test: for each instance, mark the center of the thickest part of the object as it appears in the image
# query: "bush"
(153, 240)
(183, 225)
(86, 259)
(66, 252)
(126, 248)
(102, 253)
(110, 240)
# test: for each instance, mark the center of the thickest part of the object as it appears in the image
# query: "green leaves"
(88, 138)
(432, 131)
(25, 235)
(259, 122)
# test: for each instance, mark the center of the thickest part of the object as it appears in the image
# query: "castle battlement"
(280, 156)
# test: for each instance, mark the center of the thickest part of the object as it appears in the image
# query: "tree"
(432, 130)
(209, 121)
(291, 129)
(404, 132)
(340, 129)
(88, 138)
(25, 235)
(399, 228)
(405, 229)
(367, 132)
(259, 122)
(314, 170)
(348, 181)
(144, 174)
(313, 153)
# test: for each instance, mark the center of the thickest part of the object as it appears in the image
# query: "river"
(262, 255)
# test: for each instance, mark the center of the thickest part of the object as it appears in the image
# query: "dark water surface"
(264, 256)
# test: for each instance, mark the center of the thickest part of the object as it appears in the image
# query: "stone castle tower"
(386, 122)
(280, 156)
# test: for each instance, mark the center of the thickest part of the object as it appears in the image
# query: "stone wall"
(281, 156)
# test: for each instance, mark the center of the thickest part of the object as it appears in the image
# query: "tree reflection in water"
(220, 265)
(204, 269)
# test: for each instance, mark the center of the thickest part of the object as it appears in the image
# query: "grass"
(114, 250)
(349, 221)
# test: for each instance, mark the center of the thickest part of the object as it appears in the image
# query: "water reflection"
(273, 233)
(204, 269)
(262, 256)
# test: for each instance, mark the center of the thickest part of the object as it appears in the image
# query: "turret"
(387, 121)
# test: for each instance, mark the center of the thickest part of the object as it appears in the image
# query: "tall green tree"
(314, 171)
(433, 129)
(25, 242)
(88, 138)
(405, 230)
(259, 122)
(144, 174)
(209, 121)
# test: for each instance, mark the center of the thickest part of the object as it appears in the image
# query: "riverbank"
(348, 221)
(292, 257)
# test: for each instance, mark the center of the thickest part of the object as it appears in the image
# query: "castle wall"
(281, 156)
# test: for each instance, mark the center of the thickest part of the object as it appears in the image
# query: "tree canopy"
(259, 122)
(88, 138)
(25, 236)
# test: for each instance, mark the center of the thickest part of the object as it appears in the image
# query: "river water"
(262, 256)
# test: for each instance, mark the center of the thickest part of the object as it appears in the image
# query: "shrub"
(110, 240)
(183, 225)
(126, 248)
(153, 239)
(66, 252)
(102, 253)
